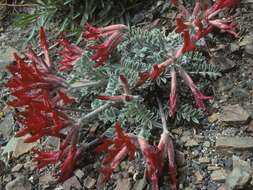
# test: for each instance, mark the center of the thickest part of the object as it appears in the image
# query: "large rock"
(6, 56)
(6, 126)
(20, 183)
(240, 175)
(238, 143)
(234, 115)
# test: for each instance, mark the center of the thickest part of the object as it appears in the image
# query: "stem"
(83, 85)
(164, 123)
(83, 120)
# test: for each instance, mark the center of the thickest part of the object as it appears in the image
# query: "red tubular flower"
(113, 34)
(154, 162)
(92, 32)
(102, 51)
(188, 44)
(166, 148)
(65, 98)
(46, 158)
(199, 97)
(70, 52)
(143, 77)
(68, 166)
(106, 172)
(44, 45)
(156, 71)
(112, 147)
(173, 95)
(226, 25)
(180, 26)
(116, 150)
(220, 4)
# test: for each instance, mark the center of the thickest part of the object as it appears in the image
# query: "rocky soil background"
(216, 155)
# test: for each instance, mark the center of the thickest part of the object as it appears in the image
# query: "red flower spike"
(65, 98)
(188, 44)
(46, 158)
(143, 77)
(156, 71)
(199, 97)
(70, 52)
(106, 172)
(68, 166)
(166, 148)
(173, 95)
(220, 4)
(197, 8)
(226, 25)
(180, 26)
(44, 45)
(153, 159)
(104, 50)
(116, 150)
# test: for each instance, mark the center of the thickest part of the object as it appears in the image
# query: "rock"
(6, 126)
(204, 160)
(89, 182)
(219, 175)
(6, 56)
(224, 63)
(237, 179)
(79, 174)
(213, 168)
(53, 142)
(238, 163)
(177, 131)
(191, 143)
(72, 183)
(17, 168)
(47, 179)
(199, 177)
(213, 118)
(207, 144)
(240, 175)
(20, 183)
(123, 184)
(239, 93)
(249, 49)
(224, 84)
(140, 184)
(180, 158)
(234, 114)
(237, 143)
(21, 147)
(247, 40)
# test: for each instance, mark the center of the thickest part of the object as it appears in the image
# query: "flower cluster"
(41, 94)
(125, 143)
(193, 27)
(116, 150)
(113, 34)
(202, 20)
(70, 53)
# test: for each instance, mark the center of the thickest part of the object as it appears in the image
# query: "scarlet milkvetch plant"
(42, 94)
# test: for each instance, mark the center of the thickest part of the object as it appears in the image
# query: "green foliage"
(137, 53)
(71, 15)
